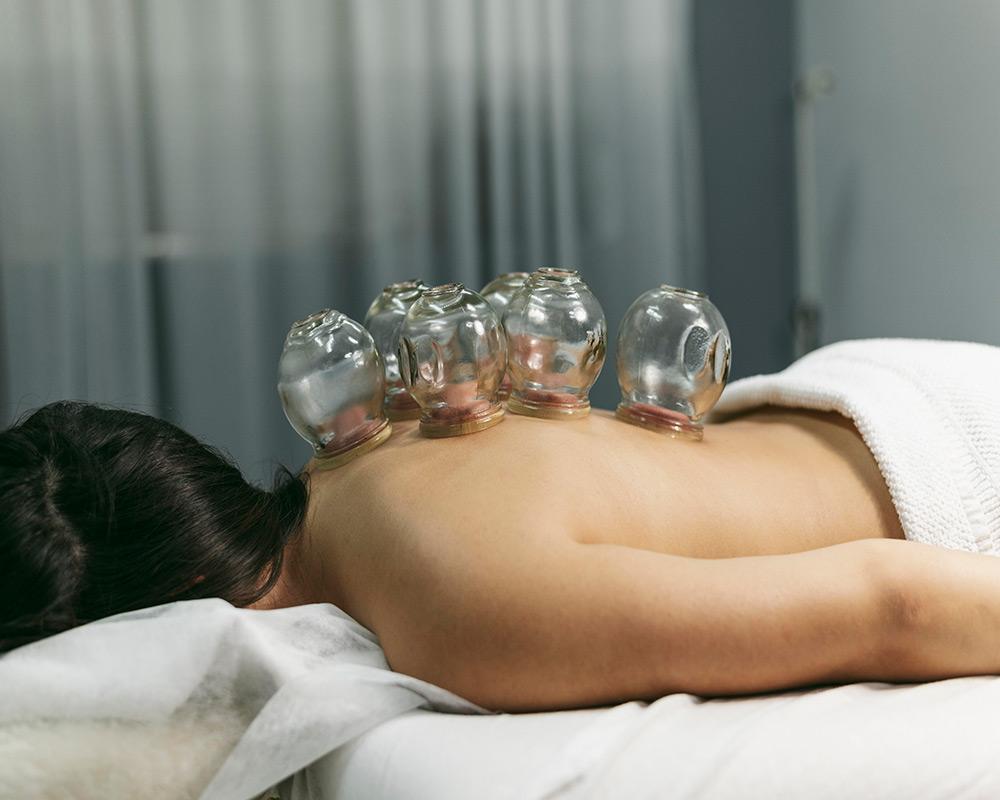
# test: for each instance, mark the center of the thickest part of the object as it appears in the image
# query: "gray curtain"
(181, 179)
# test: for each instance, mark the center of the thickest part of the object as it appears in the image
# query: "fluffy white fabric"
(929, 412)
(98, 759)
(194, 699)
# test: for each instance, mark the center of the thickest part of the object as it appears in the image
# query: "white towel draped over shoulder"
(929, 411)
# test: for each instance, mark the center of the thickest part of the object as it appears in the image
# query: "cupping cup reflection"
(452, 357)
(673, 360)
(332, 384)
(384, 320)
(498, 293)
(556, 343)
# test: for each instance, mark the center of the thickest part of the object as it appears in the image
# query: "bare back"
(767, 483)
(543, 565)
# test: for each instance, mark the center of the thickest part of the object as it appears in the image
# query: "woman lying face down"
(104, 511)
(534, 565)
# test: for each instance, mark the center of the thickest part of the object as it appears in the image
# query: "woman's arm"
(585, 624)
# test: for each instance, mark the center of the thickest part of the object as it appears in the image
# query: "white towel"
(929, 411)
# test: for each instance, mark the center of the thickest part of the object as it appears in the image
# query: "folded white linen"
(288, 686)
(929, 411)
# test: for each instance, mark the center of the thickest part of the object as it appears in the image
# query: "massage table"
(868, 740)
(165, 700)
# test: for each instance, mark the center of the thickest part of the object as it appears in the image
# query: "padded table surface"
(870, 740)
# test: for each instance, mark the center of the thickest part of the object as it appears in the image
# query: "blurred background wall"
(181, 179)
(907, 148)
(744, 67)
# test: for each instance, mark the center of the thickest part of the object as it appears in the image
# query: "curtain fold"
(181, 179)
(74, 288)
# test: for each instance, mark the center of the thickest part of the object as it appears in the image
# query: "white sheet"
(300, 683)
(869, 740)
(290, 685)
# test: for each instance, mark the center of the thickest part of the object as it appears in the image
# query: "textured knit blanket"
(929, 411)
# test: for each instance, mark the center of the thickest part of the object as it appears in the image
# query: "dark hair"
(104, 510)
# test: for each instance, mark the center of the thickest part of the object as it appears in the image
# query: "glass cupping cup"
(452, 356)
(384, 320)
(332, 384)
(556, 344)
(498, 293)
(673, 360)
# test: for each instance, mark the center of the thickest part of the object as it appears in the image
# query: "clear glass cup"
(673, 360)
(501, 289)
(332, 384)
(452, 356)
(556, 344)
(384, 320)
(498, 293)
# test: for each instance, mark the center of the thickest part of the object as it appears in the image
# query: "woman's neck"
(292, 587)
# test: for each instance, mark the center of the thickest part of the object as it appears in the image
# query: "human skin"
(553, 564)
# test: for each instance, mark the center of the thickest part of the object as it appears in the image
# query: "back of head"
(104, 511)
